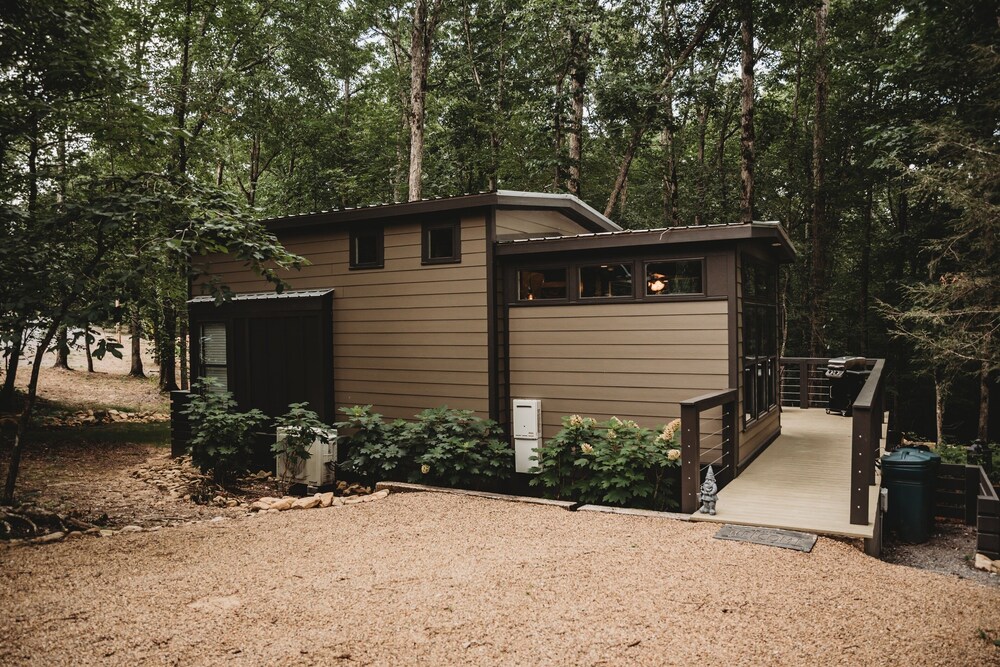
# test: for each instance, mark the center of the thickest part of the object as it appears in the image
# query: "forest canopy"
(869, 129)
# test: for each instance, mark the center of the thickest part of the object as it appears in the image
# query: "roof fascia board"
(774, 233)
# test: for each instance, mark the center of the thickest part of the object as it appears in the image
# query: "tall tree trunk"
(817, 278)
(557, 139)
(136, 370)
(983, 430)
(580, 53)
(746, 112)
(618, 189)
(865, 269)
(670, 163)
(702, 186)
(86, 346)
(168, 354)
(183, 90)
(942, 387)
(184, 351)
(421, 42)
(62, 349)
(10, 376)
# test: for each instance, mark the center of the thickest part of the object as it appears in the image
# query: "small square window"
(442, 242)
(367, 248)
(675, 277)
(605, 280)
(541, 284)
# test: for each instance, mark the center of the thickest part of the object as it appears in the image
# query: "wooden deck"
(801, 482)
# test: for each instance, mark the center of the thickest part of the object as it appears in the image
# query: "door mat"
(772, 537)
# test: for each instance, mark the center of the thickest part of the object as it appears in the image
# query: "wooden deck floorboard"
(801, 482)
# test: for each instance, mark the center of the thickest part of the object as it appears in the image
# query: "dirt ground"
(424, 578)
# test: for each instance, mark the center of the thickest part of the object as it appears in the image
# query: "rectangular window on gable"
(441, 242)
(367, 248)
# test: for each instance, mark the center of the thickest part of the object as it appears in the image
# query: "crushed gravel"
(422, 578)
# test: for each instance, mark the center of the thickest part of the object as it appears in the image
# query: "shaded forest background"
(137, 133)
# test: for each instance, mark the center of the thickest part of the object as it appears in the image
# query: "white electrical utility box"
(527, 422)
(318, 469)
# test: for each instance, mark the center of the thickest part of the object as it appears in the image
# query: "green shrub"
(441, 446)
(301, 427)
(459, 449)
(615, 462)
(376, 450)
(221, 438)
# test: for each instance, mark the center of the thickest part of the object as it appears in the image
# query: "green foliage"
(301, 427)
(221, 438)
(616, 462)
(441, 446)
(458, 449)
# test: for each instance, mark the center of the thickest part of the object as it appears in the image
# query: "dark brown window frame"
(379, 232)
(455, 225)
(767, 362)
(573, 297)
(641, 285)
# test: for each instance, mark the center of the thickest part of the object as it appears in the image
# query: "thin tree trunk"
(86, 346)
(941, 389)
(865, 269)
(746, 113)
(136, 370)
(184, 351)
(702, 187)
(168, 355)
(62, 349)
(557, 141)
(183, 86)
(421, 43)
(817, 278)
(580, 50)
(983, 430)
(14, 464)
(618, 189)
(10, 378)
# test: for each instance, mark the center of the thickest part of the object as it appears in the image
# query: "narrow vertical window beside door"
(214, 362)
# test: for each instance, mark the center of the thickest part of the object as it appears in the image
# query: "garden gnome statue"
(709, 493)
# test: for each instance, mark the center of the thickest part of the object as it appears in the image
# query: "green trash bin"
(910, 475)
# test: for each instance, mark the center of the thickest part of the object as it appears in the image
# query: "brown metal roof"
(569, 205)
(765, 231)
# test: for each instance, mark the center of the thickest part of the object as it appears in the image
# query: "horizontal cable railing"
(804, 383)
(695, 458)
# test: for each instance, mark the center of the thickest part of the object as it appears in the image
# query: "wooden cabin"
(475, 300)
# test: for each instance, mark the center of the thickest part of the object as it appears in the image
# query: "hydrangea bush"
(440, 446)
(616, 462)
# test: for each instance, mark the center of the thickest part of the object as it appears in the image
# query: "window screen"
(674, 277)
(540, 284)
(214, 361)
(442, 242)
(605, 280)
(367, 248)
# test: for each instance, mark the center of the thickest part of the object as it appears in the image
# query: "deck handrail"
(866, 439)
(805, 385)
(691, 410)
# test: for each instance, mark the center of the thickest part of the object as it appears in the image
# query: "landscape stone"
(281, 505)
(51, 537)
(305, 503)
(326, 499)
(106, 533)
(260, 505)
(130, 529)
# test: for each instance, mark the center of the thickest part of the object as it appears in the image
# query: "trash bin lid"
(906, 457)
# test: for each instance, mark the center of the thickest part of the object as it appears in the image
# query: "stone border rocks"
(269, 505)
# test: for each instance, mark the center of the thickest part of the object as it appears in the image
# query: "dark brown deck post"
(803, 384)
(860, 464)
(730, 444)
(690, 458)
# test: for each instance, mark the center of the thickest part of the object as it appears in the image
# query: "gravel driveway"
(425, 578)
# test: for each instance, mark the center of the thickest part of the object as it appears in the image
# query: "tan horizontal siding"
(407, 336)
(609, 361)
(361, 361)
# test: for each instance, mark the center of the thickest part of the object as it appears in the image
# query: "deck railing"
(866, 439)
(724, 444)
(804, 383)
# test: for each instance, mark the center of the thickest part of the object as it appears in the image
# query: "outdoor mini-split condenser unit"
(318, 469)
(527, 432)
